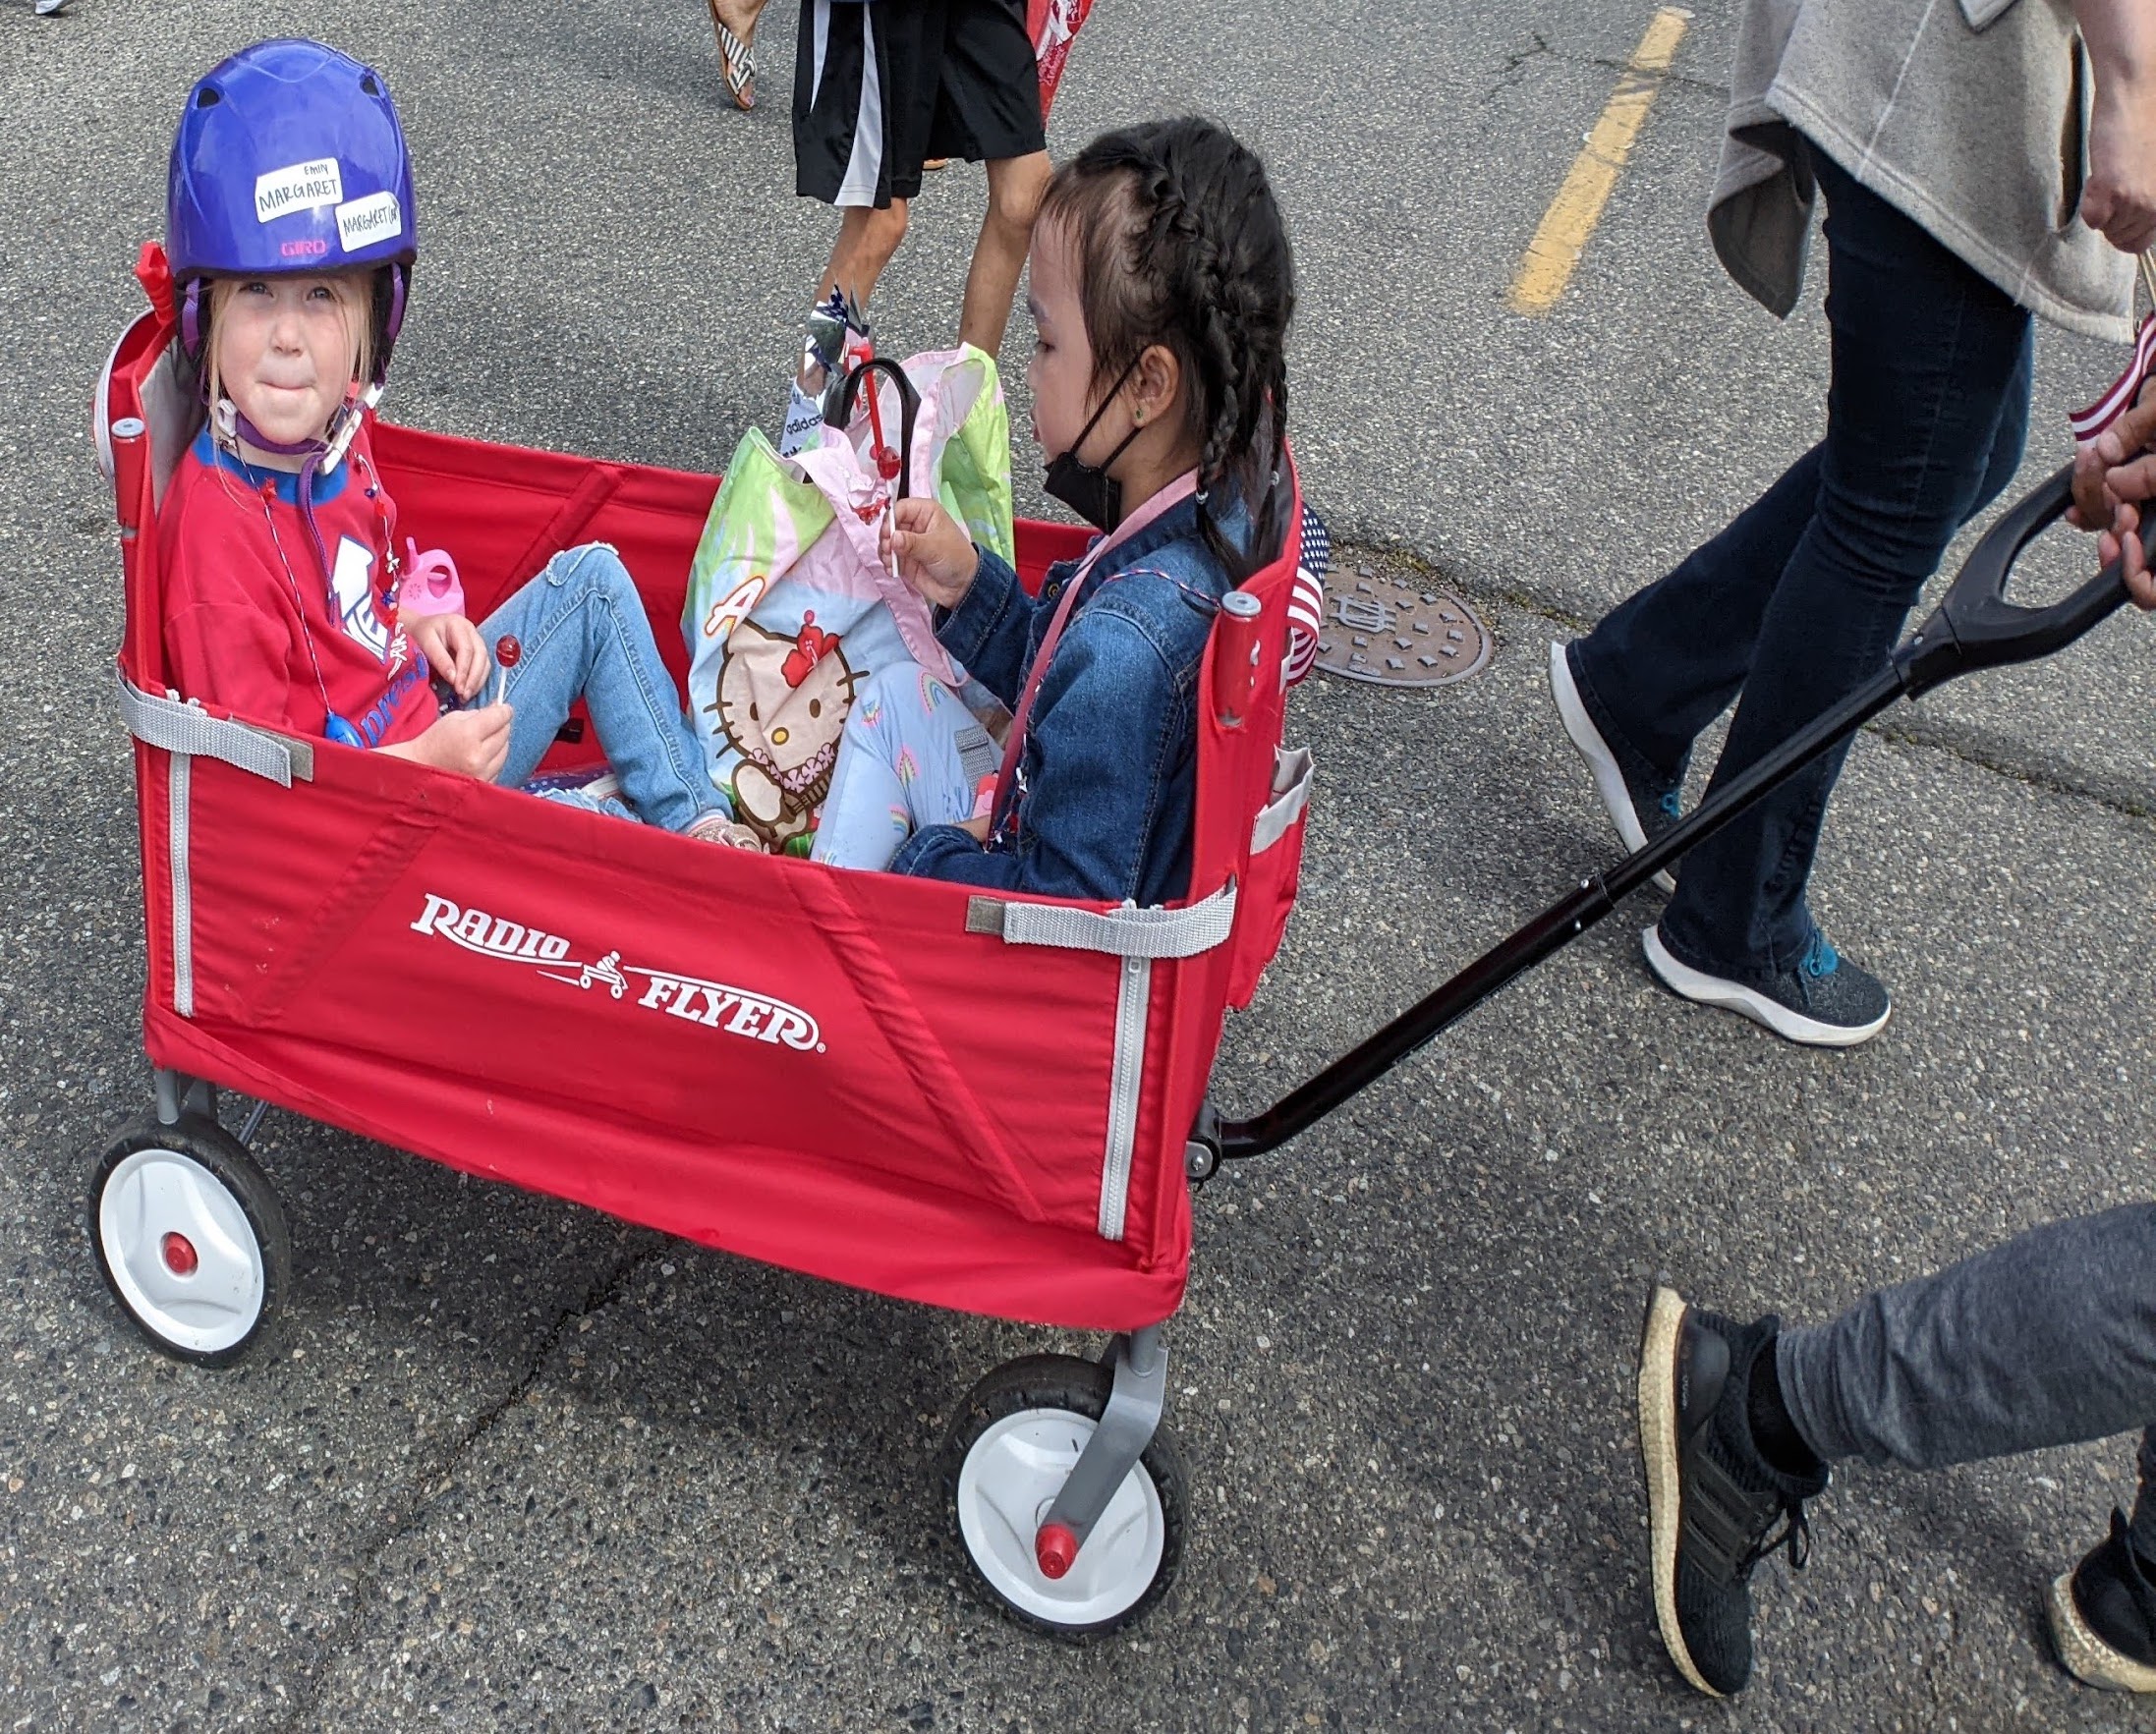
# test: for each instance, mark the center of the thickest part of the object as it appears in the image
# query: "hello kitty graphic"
(782, 703)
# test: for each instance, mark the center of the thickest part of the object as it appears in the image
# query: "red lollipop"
(506, 653)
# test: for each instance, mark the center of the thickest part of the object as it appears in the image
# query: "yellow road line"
(1573, 213)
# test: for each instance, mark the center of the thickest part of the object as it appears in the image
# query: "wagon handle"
(909, 407)
(1975, 627)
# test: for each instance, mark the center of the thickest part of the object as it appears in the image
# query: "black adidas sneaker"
(1713, 1500)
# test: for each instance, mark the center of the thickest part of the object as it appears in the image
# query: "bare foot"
(739, 17)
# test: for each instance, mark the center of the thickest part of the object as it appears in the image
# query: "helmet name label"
(365, 221)
(299, 186)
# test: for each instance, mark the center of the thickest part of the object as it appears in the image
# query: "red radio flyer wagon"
(978, 1101)
(984, 1102)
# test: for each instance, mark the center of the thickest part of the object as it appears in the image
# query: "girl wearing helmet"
(291, 236)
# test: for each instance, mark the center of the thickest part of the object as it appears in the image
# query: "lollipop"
(506, 652)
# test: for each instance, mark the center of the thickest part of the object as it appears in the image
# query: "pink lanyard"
(1176, 491)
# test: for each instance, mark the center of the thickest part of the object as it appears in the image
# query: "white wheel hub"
(181, 1250)
(1010, 1477)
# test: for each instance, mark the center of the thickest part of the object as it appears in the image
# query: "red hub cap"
(179, 1254)
(1054, 1548)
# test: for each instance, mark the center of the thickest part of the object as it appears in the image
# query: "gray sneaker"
(1826, 1001)
(1640, 813)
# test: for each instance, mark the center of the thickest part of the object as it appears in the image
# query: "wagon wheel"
(1011, 1446)
(190, 1238)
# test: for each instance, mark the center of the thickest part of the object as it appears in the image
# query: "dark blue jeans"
(1800, 601)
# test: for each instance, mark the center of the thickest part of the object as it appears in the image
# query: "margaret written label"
(299, 186)
(365, 221)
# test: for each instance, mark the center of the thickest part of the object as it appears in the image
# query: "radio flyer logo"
(299, 186)
(732, 1010)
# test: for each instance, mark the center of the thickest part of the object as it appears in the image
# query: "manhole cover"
(1397, 631)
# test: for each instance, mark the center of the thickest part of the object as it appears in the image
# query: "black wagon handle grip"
(909, 407)
(1974, 624)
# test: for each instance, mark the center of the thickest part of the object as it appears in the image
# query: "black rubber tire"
(1081, 1387)
(226, 1158)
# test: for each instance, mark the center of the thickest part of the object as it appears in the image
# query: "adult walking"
(1963, 193)
(2045, 1340)
(733, 22)
(2049, 1339)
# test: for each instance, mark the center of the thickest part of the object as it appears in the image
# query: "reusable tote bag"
(789, 604)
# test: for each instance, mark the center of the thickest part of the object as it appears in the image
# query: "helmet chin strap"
(321, 456)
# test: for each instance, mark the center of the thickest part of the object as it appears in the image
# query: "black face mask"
(1088, 489)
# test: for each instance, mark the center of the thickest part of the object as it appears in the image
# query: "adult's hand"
(2114, 482)
(2120, 199)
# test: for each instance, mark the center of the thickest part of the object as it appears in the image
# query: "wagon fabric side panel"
(819, 1068)
(1236, 771)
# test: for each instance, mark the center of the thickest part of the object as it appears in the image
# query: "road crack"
(437, 1480)
(1516, 62)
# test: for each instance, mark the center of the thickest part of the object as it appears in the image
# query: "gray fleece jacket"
(1968, 116)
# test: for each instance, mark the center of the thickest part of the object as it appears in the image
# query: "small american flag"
(1306, 600)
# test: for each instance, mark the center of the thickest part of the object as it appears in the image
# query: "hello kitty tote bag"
(789, 605)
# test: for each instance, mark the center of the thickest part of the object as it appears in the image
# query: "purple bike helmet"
(289, 159)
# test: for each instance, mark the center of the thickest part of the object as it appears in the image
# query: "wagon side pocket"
(1276, 867)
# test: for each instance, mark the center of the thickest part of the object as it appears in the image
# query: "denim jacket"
(1108, 770)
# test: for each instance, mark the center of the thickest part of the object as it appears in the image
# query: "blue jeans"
(1800, 601)
(582, 633)
(2048, 1339)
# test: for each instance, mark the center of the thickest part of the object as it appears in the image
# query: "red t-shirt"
(252, 622)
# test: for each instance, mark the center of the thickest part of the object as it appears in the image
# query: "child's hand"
(472, 743)
(933, 555)
(453, 649)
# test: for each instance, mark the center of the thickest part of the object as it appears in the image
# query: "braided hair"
(1180, 243)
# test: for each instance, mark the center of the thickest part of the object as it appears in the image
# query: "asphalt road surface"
(510, 1465)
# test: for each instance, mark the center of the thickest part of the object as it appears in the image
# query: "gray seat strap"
(187, 728)
(1128, 932)
(978, 753)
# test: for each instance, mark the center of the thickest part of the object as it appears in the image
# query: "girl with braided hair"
(1161, 288)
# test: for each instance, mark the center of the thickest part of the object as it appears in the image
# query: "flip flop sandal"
(738, 60)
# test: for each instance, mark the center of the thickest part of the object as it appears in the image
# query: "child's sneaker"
(1640, 813)
(1713, 1500)
(717, 826)
(1826, 1001)
(2103, 1615)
